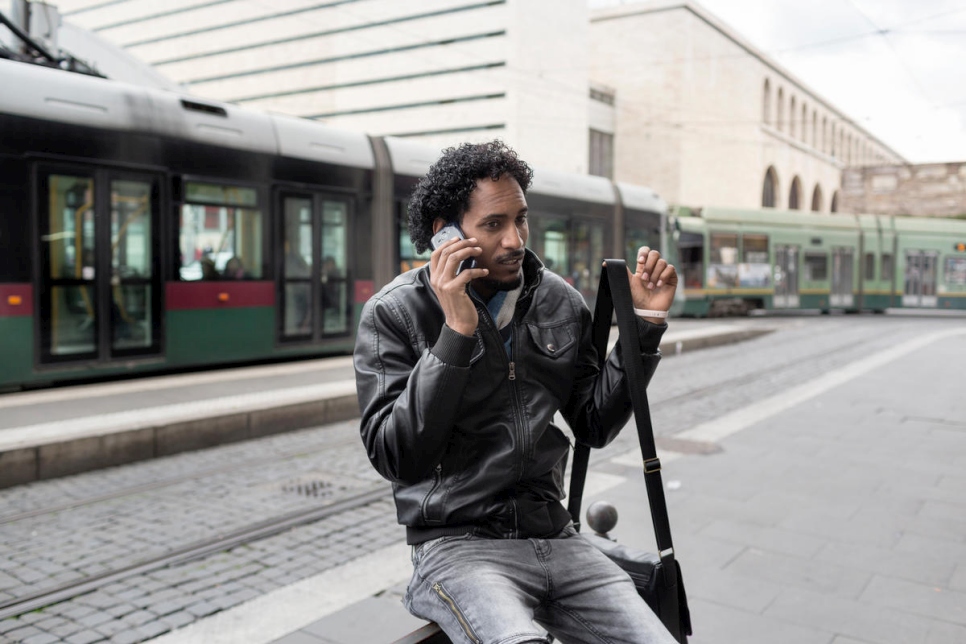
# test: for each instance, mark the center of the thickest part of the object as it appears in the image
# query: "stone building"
(704, 117)
(927, 190)
(660, 93)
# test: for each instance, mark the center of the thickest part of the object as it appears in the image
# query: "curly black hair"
(445, 190)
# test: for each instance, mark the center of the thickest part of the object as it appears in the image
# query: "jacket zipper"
(511, 377)
(437, 479)
(456, 612)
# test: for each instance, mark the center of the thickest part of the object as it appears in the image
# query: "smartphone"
(447, 232)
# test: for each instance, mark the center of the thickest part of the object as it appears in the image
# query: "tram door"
(843, 266)
(99, 272)
(920, 283)
(786, 277)
(314, 276)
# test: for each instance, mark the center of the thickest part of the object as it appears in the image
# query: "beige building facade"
(926, 190)
(659, 94)
(703, 117)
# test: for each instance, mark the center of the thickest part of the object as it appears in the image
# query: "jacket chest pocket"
(554, 343)
(552, 352)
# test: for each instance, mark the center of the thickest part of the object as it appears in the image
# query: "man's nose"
(513, 239)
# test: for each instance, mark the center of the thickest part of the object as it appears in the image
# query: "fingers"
(445, 261)
(652, 268)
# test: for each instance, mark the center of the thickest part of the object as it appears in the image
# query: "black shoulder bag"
(656, 576)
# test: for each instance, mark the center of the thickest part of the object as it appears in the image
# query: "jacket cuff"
(454, 348)
(649, 335)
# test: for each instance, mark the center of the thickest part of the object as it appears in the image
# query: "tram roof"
(572, 186)
(788, 218)
(640, 198)
(411, 158)
(78, 99)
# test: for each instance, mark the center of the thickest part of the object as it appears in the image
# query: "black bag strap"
(614, 294)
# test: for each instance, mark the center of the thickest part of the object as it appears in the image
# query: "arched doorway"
(795, 195)
(817, 198)
(835, 202)
(769, 189)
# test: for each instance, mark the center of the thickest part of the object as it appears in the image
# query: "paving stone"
(930, 601)
(112, 628)
(153, 629)
(43, 638)
(202, 609)
(138, 617)
(22, 633)
(95, 619)
(177, 620)
(130, 636)
(84, 637)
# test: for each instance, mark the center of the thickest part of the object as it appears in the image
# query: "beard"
(502, 285)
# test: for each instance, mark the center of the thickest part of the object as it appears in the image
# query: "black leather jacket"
(463, 430)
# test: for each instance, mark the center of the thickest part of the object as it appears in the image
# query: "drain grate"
(315, 488)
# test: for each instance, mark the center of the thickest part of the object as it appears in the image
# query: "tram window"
(550, 239)
(724, 249)
(870, 266)
(637, 236)
(888, 267)
(335, 300)
(955, 271)
(408, 257)
(69, 241)
(221, 233)
(754, 249)
(816, 267)
(691, 251)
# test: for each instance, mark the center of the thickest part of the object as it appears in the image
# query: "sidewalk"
(834, 513)
(49, 433)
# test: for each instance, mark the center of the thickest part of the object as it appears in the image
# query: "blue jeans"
(511, 591)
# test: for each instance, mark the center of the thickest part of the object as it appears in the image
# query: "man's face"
(497, 217)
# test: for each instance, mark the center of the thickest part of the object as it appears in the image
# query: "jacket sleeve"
(600, 405)
(409, 402)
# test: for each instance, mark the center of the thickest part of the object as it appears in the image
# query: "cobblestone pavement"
(218, 490)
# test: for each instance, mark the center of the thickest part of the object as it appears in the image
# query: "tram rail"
(192, 551)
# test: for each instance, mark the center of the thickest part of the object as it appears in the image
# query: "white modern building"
(652, 93)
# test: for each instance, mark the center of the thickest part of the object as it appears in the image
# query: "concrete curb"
(56, 449)
(76, 455)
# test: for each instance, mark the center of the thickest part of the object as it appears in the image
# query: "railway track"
(189, 552)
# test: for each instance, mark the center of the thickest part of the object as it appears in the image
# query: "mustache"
(510, 257)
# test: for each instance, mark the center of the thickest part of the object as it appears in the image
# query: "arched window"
(780, 117)
(795, 195)
(832, 137)
(804, 123)
(766, 103)
(769, 189)
(835, 202)
(814, 129)
(817, 198)
(824, 147)
(791, 117)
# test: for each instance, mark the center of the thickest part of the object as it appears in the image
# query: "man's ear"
(438, 223)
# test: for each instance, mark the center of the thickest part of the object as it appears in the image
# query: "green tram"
(144, 231)
(733, 261)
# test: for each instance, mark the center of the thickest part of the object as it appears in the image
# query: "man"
(459, 375)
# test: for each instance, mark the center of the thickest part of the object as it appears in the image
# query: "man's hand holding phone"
(452, 267)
